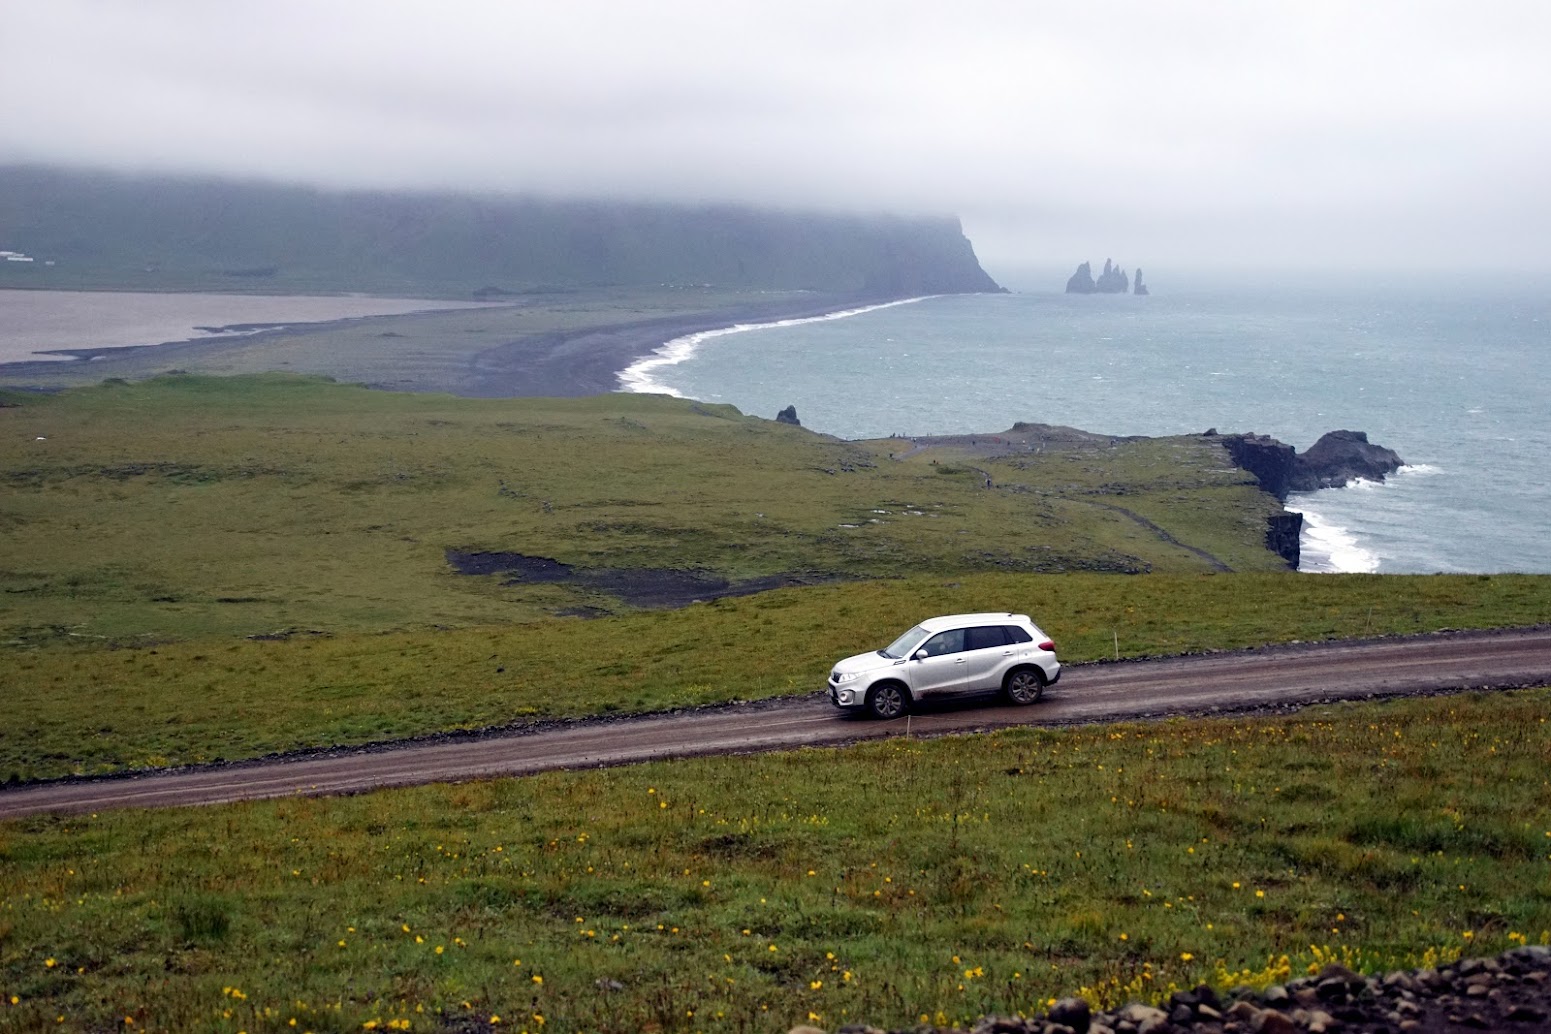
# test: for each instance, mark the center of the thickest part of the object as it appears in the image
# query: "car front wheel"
(1023, 686)
(886, 701)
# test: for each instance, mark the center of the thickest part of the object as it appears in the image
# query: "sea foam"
(641, 375)
(1327, 548)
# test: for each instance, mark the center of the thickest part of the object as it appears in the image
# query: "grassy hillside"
(891, 883)
(197, 568)
(278, 553)
(190, 506)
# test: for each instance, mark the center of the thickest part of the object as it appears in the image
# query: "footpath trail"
(1268, 679)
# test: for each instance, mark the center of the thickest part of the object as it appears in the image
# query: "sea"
(1454, 376)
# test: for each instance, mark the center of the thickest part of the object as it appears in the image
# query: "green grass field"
(86, 710)
(153, 530)
(199, 568)
(889, 883)
(189, 506)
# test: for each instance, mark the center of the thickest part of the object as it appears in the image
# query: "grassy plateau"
(197, 568)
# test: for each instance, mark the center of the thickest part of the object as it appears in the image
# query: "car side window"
(944, 643)
(984, 638)
(1016, 634)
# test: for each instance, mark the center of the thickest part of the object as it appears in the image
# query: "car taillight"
(1048, 645)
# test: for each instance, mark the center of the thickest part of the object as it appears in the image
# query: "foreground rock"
(1511, 992)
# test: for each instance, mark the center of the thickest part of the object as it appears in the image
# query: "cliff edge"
(95, 229)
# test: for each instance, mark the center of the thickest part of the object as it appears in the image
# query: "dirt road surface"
(1269, 679)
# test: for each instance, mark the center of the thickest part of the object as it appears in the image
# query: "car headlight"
(848, 677)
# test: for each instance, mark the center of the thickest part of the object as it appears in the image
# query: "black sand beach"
(487, 353)
(589, 361)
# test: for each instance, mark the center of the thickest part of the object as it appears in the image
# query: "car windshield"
(901, 646)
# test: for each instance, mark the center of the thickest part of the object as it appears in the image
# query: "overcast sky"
(1404, 133)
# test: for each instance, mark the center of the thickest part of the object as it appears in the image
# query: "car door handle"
(959, 661)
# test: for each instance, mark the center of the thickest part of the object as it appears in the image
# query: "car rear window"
(985, 637)
(1016, 634)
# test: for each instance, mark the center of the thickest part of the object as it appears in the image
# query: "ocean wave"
(641, 375)
(1327, 548)
(1420, 469)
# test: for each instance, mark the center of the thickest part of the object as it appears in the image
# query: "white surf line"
(640, 376)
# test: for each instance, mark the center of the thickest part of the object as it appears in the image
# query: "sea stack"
(1081, 282)
(1140, 288)
(1113, 280)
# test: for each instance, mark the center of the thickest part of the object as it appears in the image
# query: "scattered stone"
(1510, 992)
(1139, 1014)
(1272, 1022)
(1072, 1012)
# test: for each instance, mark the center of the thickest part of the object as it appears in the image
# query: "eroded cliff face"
(1284, 536)
(1271, 461)
(1337, 459)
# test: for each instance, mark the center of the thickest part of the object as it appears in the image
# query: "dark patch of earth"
(648, 587)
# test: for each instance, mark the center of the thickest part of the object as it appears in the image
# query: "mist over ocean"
(1457, 381)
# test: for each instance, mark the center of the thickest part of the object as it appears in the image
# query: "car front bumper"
(846, 696)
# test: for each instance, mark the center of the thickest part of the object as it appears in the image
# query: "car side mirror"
(920, 655)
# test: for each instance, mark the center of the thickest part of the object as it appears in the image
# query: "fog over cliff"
(1393, 134)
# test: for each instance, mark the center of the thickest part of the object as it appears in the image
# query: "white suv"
(959, 653)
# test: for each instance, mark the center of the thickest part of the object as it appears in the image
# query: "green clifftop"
(106, 230)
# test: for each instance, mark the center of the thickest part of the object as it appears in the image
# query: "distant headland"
(1113, 280)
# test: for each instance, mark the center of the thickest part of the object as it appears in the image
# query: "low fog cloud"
(1409, 134)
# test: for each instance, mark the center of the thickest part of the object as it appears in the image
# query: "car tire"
(887, 700)
(1023, 686)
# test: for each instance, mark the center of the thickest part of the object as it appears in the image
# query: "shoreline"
(591, 361)
(570, 363)
(638, 378)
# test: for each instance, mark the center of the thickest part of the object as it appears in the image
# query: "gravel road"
(1267, 679)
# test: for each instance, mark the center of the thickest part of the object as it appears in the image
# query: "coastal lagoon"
(34, 322)
(1457, 382)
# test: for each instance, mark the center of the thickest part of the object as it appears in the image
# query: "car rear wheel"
(1023, 686)
(886, 701)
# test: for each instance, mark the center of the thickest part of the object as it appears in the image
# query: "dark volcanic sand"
(567, 364)
(588, 362)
